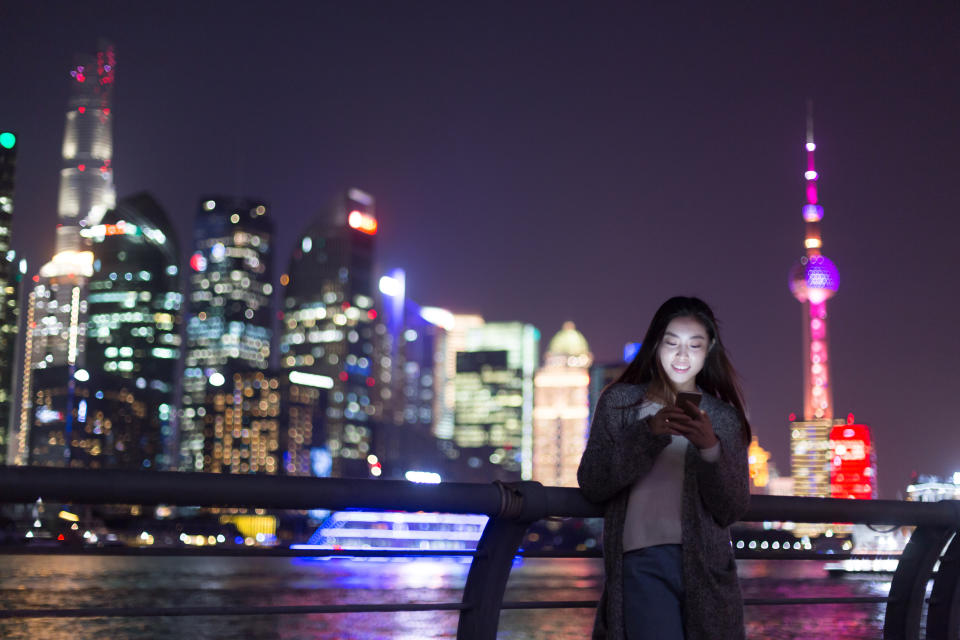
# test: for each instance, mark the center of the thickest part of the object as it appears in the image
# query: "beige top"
(653, 508)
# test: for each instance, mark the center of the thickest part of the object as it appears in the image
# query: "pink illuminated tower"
(813, 280)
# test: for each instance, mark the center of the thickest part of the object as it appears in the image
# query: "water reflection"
(39, 582)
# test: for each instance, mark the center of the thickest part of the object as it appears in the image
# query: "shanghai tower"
(57, 304)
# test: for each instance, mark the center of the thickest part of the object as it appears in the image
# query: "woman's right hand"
(660, 421)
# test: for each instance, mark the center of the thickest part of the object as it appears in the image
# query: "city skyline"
(535, 163)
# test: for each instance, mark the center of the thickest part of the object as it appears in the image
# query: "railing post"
(909, 587)
(522, 504)
(943, 613)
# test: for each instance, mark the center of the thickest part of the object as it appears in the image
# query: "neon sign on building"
(853, 463)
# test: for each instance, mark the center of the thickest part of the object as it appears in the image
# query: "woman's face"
(683, 351)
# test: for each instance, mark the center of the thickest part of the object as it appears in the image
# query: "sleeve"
(725, 484)
(619, 452)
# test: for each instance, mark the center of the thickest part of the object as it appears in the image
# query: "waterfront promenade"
(511, 508)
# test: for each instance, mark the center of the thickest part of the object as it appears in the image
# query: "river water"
(65, 581)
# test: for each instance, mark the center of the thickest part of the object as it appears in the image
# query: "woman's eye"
(671, 344)
(696, 346)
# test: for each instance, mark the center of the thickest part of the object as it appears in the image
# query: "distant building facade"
(229, 331)
(328, 331)
(561, 408)
(413, 379)
(11, 275)
(493, 429)
(56, 327)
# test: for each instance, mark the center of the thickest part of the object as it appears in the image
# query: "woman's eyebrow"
(693, 337)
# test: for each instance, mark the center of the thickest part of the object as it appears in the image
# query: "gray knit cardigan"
(620, 450)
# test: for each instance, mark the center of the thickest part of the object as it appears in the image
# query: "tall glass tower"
(86, 173)
(228, 328)
(56, 310)
(328, 329)
(813, 280)
(133, 327)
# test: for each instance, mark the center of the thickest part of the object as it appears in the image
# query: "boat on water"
(875, 551)
(397, 531)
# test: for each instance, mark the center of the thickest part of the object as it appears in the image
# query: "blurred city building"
(853, 462)
(115, 410)
(413, 383)
(454, 343)
(228, 333)
(328, 325)
(758, 460)
(57, 309)
(242, 423)
(928, 488)
(561, 408)
(493, 425)
(11, 275)
(603, 374)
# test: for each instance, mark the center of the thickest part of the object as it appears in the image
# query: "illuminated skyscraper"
(86, 175)
(493, 429)
(10, 276)
(412, 381)
(56, 313)
(229, 319)
(241, 420)
(328, 327)
(813, 280)
(561, 408)
(113, 408)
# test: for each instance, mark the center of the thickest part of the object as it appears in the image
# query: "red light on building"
(853, 463)
(198, 262)
(362, 222)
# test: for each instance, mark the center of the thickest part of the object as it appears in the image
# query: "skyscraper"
(411, 353)
(56, 313)
(115, 409)
(10, 277)
(328, 327)
(813, 280)
(228, 326)
(561, 408)
(86, 174)
(493, 429)
(134, 317)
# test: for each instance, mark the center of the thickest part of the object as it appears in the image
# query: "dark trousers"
(653, 593)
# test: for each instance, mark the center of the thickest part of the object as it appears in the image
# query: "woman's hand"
(691, 423)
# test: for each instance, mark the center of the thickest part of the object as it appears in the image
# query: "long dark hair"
(718, 377)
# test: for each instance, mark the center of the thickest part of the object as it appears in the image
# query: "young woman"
(672, 479)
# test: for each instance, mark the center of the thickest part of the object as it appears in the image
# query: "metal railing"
(511, 509)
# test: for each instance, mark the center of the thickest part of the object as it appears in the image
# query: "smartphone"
(685, 396)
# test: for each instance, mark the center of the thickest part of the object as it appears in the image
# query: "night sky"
(546, 161)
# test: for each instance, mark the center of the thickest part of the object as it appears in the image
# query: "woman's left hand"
(695, 426)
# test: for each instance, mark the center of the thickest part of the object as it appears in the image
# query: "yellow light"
(812, 243)
(71, 517)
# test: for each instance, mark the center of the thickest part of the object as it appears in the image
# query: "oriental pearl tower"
(813, 280)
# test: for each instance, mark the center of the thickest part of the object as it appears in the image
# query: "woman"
(672, 479)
